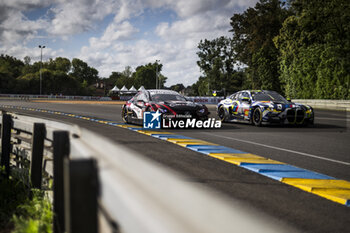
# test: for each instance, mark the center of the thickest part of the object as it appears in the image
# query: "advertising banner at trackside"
(125, 97)
(205, 99)
(196, 99)
(155, 120)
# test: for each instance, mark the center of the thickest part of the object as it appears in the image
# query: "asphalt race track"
(323, 148)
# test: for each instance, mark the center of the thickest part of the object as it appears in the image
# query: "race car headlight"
(308, 110)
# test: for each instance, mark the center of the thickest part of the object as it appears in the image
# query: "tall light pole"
(41, 63)
(157, 74)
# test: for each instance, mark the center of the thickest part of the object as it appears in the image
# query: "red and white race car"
(167, 102)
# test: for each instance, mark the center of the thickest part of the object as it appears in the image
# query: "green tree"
(200, 88)
(10, 69)
(113, 78)
(145, 75)
(35, 67)
(81, 71)
(315, 50)
(27, 84)
(219, 66)
(162, 80)
(27, 60)
(217, 61)
(127, 72)
(177, 87)
(253, 33)
(62, 64)
(124, 78)
(23, 78)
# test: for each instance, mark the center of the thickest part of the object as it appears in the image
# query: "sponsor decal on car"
(191, 123)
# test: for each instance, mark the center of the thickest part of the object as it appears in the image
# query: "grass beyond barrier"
(23, 209)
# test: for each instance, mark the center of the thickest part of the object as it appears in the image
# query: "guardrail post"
(36, 164)
(81, 194)
(6, 142)
(60, 151)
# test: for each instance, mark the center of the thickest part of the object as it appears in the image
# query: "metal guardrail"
(103, 187)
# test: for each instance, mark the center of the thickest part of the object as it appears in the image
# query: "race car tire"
(257, 117)
(125, 115)
(221, 113)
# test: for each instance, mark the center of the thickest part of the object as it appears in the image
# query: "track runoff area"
(325, 186)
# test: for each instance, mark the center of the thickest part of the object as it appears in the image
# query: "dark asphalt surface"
(323, 148)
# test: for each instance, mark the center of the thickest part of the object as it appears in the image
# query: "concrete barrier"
(133, 193)
(340, 105)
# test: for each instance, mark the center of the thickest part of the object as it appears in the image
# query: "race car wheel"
(222, 114)
(257, 117)
(125, 115)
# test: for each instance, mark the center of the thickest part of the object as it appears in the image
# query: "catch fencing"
(100, 186)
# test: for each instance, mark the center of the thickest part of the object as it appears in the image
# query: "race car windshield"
(268, 96)
(167, 97)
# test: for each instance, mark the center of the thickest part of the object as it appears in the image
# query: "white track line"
(282, 149)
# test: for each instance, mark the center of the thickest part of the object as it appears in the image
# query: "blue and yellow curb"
(319, 184)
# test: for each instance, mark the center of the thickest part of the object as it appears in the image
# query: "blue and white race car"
(263, 107)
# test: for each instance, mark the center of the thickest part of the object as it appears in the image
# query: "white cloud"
(20, 52)
(179, 62)
(174, 41)
(178, 40)
(24, 5)
(189, 8)
(127, 9)
(198, 26)
(177, 44)
(120, 31)
(112, 36)
(18, 28)
(74, 17)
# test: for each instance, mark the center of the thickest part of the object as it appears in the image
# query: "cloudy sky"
(112, 34)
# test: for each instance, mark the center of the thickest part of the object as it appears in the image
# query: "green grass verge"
(19, 212)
